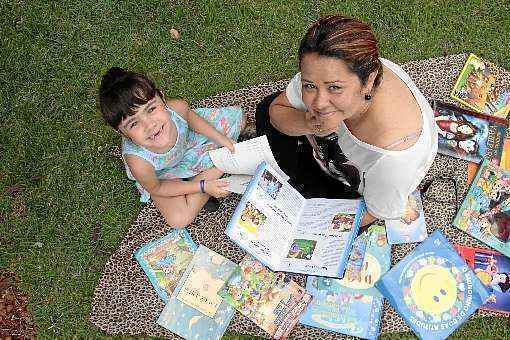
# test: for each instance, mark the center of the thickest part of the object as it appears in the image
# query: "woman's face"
(330, 90)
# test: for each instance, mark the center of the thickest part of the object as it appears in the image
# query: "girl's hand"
(216, 188)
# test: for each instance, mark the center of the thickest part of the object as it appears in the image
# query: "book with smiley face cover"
(433, 288)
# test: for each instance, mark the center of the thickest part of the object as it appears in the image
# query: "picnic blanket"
(124, 301)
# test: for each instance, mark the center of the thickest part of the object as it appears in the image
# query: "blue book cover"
(433, 288)
(352, 305)
(411, 227)
(195, 310)
(164, 260)
(485, 212)
(286, 232)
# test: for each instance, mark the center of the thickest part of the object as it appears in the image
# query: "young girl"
(165, 143)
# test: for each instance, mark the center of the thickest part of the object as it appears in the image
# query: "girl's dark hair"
(122, 92)
(347, 39)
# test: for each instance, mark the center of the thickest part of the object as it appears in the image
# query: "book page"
(248, 155)
(321, 235)
(268, 218)
(238, 183)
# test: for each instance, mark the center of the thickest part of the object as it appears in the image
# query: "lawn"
(65, 204)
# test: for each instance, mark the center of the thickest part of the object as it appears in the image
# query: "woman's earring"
(368, 97)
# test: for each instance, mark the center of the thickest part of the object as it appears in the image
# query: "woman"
(350, 122)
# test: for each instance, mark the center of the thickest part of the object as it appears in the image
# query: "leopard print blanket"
(124, 301)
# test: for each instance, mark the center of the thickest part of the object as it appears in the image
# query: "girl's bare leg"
(179, 211)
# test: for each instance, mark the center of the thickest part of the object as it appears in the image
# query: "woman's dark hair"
(347, 39)
(122, 92)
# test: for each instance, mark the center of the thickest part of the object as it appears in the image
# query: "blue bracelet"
(202, 185)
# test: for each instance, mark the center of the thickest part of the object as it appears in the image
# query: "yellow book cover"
(505, 156)
(476, 88)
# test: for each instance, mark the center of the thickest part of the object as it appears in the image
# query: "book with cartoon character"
(467, 134)
(493, 269)
(478, 88)
(164, 260)
(195, 311)
(272, 300)
(433, 288)
(352, 305)
(411, 227)
(286, 232)
(485, 212)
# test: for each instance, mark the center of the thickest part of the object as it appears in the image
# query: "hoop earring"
(368, 97)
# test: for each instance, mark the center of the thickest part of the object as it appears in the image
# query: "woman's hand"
(319, 127)
(216, 188)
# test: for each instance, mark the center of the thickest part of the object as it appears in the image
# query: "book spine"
(348, 244)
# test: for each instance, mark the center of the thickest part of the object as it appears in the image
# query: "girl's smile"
(150, 127)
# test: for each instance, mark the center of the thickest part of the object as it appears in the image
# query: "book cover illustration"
(357, 256)
(433, 288)
(164, 260)
(493, 269)
(411, 227)
(485, 212)
(467, 134)
(270, 299)
(352, 305)
(476, 88)
(195, 311)
(505, 155)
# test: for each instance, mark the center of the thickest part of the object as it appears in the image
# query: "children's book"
(286, 232)
(433, 288)
(237, 183)
(164, 260)
(195, 311)
(272, 300)
(411, 227)
(505, 161)
(357, 256)
(352, 305)
(485, 212)
(505, 155)
(493, 269)
(467, 134)
(247, 156)
(477, 88)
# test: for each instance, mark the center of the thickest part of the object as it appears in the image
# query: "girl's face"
(150, 127)
(330, 90)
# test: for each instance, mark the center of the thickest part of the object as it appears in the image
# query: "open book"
(247, 156)
(286, 232)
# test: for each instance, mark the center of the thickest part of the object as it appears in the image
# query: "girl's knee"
(177, 219)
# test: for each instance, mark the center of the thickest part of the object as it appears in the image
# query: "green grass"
(51, 58)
